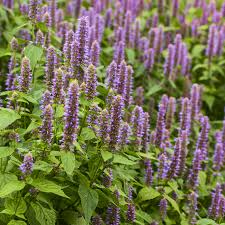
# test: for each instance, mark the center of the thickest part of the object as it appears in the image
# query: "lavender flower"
(149, 59)
(218, 157)
(131, 211)
(158, 41)
(10, 81)
(148, 173)
(223, 136)
(175, 162)
(183, 151)
(177, 49)
(215, 205)
(146, 132)
(163, 208)
(46, 99)
(91, 82)
(125, 133)
(196, 167)
(57, 89)
(94, 53)
(50, 66)
(192, 205)
(112, 79)
(33, 9)
(169, 63)
(195, 96)
(67, 45)
(14, 44)
(175, 7)
(211, 41)
(98, 27)
(104, 125)
(97, 220)
(115, 120)
(74, 61)
(171, 109)
(108, 17)
(185, 115)
(137, 34)
(129, 85)
(40, 38)
(52, 11)
(137, 125)
(122, 79)
(93, 117)
(25, 75)
(162, 166)
(119, 53)
(71, 115)
(77, 6)
(160, 124)
(127, 26)
(47, 127)
(27, 166)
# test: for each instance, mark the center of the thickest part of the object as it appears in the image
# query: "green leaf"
(154, 89)
(48, 187)
(33, 125)
(122, 160)
(34, 53)
(206, 222)
(11, 187)
(143, 215)
(5, 151)
(7, 117)
(173, 203)
(43, 166)
(16, 222)
(68, 161)
(44, 215)
(106, 155)
(89, 201)
(209, 99)
(87, 134)
(147, 193)
(130, 55)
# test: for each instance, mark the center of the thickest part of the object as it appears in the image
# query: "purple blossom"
(163, 205)
(50, 66)
(125, 133)
(119, 52)
(218, 160)
(146, 132)
(104, 125)
(211, 41)
(139, 99)
(129, 86)
(169, 63)
(148, 173)
(91, 82)
(171, 109)
(183, 151)
(215, 205)
(97, 220)
(52, 11)
(27, 166)
(14, 44)
(175, 7)
(33, 9)
(40, 38)
(94, 53)
(47, 127)
(149, 59)
(185, 115)
(108, 178)
(71, 115)
(195, 97)
(112, 78)
(192, 207)
(131, 211)
(46, 99)
(10, 81)
(67, 45)
(122, 79)
(74, 61)
(25, 75)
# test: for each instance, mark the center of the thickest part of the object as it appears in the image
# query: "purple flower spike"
(202, 143)
(163, 208)
(14, 44)
(127, 26)
(46, 99)
(215, 205)
(108, 17)
(57, 88)
(137, 33)
(94, 53)
(195, 97)
(33, 9)
(148, 173)
(169, 63)
(171, 109)
(67, 45)
(119, 53)
(177, 46)
(77, 7)
(129, 86)
(146, 132)
(112, 79)
(162, 166)
(158, 41)
(137, 125)
(125, 133)
(47, 127)
(40, 38)
(160, 124)
(192, 205)
(91, 82)
(10, 81)
(115, 120)
(211, 41)
(97, 220)
(149, 59)
(104, 125)
(25, 75)
(98, 27)
(175, 162)
(52, 11)
(196, 167)
(175, 7)
(218, 157)
(74, 61)
(185, 115)
(122, 79)
(27, 165)
(50, 66)
(108, 178)
(131, 211)
(223, 136)
(71, 115)
(183, 151)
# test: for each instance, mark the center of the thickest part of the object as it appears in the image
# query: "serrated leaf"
(7, 117)
(89, 201)
(48, 186)
(43, 166)
(5, 151)
(206, 222)
(106, 155)
(147, 193)
(68, 161)
(16, 222)
(173, 203)
(44, 215)
(11, 187)
(87, 134)
(123, 160)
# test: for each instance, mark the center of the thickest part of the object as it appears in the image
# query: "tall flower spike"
(27, 166)
(47, 127)
(171, 109)
(163, 208)
(67, 45)
(119, 54)
(169, 63)
(33, 9)
(211, 42)
(218, 160)
(177, 49)
(25, 75)
(183, 151)
(74, 61)
(99, 27)
(127, 26)
(122, 79)
(57, 89)
(196, 167)
(97, 220)
(160, 124)
(129, 86)
(77, 7)
(71, 115)
(148, 173)
(50, 66)
(192, 207)
(215, 205)
(137, 125)
(149, 59)
(185, 115)
(175, 7)
(175, 162)
(131, 211)
(52, 11)
(14, 44)
(137, 33)
(46, 99)
(10, 81)
(223, 136)
(108, 178)
(115, 120)
(40, 38)
(162, 166)
(202, 143)
(91, 82)
(94, 53)
(146, 132)
(104, 125)
(158, 41)
(112, 78)
(195, 95)
(125, 133)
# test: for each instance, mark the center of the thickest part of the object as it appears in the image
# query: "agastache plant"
(27, 166)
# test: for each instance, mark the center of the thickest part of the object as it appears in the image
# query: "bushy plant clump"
(112, 112)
